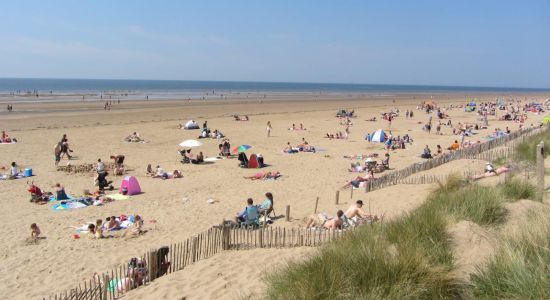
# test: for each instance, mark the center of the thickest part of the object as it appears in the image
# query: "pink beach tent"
(131, 184)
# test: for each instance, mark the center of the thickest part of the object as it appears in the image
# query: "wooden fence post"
(152, 259)
(337, 197)
(105, 290)
(316, 204)
(540, 171)
(225, 236)
(287, 213)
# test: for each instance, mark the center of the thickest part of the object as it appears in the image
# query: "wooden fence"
(484, 151)
(116, 282)
(119, 280)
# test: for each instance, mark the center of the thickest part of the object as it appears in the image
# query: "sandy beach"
(175, 209)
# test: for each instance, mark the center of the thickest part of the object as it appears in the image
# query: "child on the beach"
(98, 229)
(35, 231)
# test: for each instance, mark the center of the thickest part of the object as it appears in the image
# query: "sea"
(42, 88)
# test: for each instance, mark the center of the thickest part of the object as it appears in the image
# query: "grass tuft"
(520, 269)
(526, 151)
(517, 189)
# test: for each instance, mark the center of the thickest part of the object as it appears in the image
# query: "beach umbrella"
(190, 143)
(242, 148)
(472, 104)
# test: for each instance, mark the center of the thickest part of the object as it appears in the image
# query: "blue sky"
(472, 43)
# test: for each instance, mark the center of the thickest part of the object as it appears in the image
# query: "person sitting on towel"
(60, 192)
(199, 159)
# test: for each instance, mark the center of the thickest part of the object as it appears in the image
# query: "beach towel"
(7, 177)
(68, 204)
(10, 143)
(118, 197)
(211, 159)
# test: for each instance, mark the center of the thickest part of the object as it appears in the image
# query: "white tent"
(191, 125)
(379, 136)
(190, 143)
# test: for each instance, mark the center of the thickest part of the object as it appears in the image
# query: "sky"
(459, 43)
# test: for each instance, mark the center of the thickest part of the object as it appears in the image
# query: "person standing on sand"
(269, 128)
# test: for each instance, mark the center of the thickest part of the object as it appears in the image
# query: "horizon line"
(290, 82)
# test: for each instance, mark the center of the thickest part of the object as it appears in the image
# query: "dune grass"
(520, 269)
(409, 257)
(519, 189)
(526, 151)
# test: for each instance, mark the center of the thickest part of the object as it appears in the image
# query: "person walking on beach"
(269, 128)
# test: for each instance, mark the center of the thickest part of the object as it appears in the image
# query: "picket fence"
(484, 151)
(116, 282)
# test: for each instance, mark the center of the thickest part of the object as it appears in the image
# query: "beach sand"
(176, 209)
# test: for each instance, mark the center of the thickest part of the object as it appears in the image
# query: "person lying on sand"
(360, 156)
(490, 171)
(357, 167)
(159, 173)
(5, 138)
(133, 138)
(240, 118)
(357, 181)
(324, 221)
(338, 136)
(263, 176)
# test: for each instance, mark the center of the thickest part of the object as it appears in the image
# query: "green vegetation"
(520, 269)
(519, 189)
(409, 257)
(526, 151)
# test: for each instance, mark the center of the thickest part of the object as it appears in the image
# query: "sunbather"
(133, 138)
(199, 159)
(356, 214)
(490, 171)
(159, 173)
(112, 224)
(357, 181)
(5, 138)
(322, 220)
